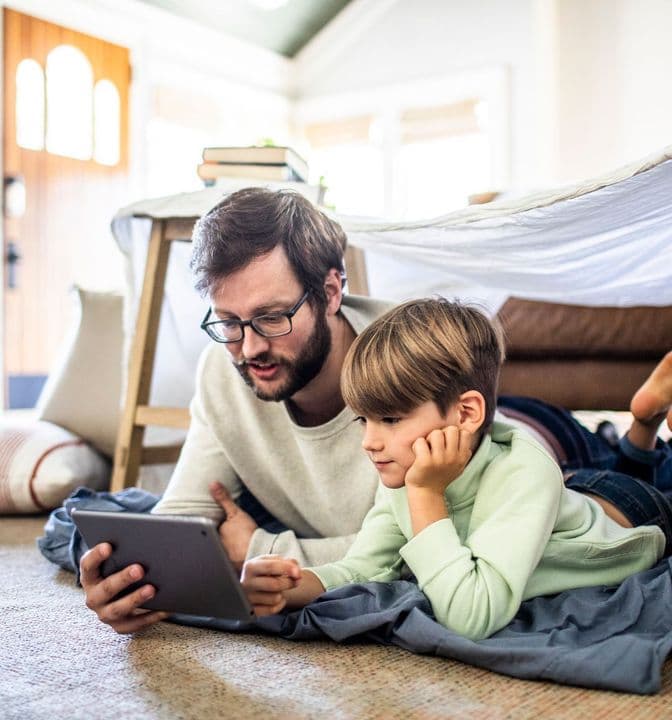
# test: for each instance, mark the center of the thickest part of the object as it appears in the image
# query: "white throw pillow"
(83, 392)
(41, 464)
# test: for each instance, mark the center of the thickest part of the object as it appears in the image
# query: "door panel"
(63, 237)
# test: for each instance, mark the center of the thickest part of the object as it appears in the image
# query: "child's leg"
(650, 404)
(640, 453)
(578, 447)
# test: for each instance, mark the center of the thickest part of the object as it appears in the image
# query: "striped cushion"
(41, 464)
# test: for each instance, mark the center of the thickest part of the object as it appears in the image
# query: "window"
(60, 110)
(107, 123)
(406, 164)
(443, 157)
(30, 105)
(412, 162)
(69, 103)
(350, 164)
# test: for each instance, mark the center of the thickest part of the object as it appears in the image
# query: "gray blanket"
(611, 638)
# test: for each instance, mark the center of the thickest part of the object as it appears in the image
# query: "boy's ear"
(471, 409)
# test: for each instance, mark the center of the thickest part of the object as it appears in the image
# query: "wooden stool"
(136, 415)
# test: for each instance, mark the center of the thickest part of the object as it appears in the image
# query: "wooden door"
(62, 237)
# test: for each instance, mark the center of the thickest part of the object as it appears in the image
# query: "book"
(225, 185)
(258, 155)
(210, 171)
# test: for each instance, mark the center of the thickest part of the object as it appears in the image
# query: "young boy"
(477, 509)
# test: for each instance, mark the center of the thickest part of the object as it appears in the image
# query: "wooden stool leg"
(355, 268)
(128, 451)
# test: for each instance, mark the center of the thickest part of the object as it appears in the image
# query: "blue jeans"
(638, 482)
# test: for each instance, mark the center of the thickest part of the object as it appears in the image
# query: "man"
(272, 266)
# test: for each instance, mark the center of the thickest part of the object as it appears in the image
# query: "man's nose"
(253, 344)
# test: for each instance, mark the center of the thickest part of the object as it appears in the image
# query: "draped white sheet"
(603, 242)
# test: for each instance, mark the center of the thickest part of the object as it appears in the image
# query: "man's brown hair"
(424, 350)
(250, 223)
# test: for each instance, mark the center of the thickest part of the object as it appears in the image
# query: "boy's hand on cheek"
(439, 459)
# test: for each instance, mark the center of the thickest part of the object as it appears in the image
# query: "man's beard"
(299, 371)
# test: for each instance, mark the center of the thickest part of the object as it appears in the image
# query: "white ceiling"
(283, 26)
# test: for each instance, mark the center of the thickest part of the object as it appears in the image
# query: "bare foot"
(653, 401)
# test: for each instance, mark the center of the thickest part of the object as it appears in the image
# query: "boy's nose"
(372, 441)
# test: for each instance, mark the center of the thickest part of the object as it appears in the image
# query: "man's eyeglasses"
(269, 325)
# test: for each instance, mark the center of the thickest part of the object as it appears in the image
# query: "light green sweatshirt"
(513, 532)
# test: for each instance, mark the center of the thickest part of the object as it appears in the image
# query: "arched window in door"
(107, 123)
(30, 105)
(69, 103)
(65, 114)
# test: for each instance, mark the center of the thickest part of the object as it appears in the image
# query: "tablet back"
(182, 555)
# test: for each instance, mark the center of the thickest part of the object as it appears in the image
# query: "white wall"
(588, 78)
(614, 105)
(423, 40)
(646, 100)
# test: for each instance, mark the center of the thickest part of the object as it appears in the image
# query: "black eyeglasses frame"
(206, 324)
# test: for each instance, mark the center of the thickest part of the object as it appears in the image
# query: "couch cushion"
(544, 329)
(83, 392)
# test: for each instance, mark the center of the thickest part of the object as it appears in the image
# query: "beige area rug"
(58, 661)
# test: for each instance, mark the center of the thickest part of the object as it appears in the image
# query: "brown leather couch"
(581, 357)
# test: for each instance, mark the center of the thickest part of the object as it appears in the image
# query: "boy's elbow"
(472, 620)
(478, 605)
(475, 635)
(467, 627)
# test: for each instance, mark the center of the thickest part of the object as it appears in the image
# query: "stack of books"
(264, 162)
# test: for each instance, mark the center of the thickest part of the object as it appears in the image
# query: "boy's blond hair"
(424, 350)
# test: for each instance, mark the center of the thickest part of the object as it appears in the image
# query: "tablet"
(182, 555)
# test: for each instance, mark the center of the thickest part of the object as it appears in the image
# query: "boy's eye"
(361, 420)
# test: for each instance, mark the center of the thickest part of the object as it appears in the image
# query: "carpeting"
(58, 661)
